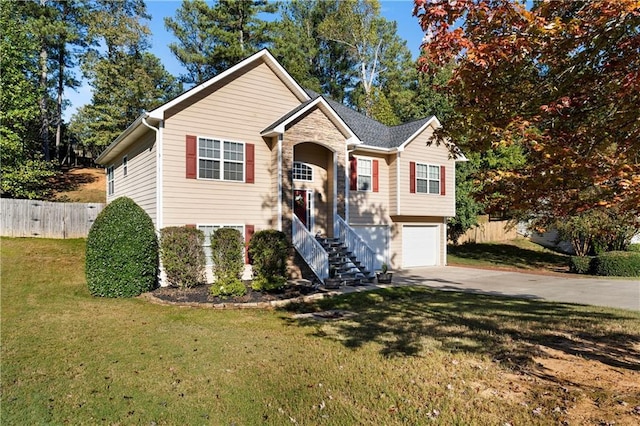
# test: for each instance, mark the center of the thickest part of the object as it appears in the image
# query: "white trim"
(428, 179)
(433, 122)
(398, 183)
(304, 165)
(335, 191)
(347, 184)
(160, 176)
(111, 181)
(370, 160)
(158, 132)
(280, 140)
(222, 160)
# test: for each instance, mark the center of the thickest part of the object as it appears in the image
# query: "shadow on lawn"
(509, 255)
(402, 319)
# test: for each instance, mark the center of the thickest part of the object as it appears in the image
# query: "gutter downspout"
(280, 140)
(158, 141)
(347, 184)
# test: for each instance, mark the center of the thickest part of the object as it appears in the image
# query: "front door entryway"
(303, 206)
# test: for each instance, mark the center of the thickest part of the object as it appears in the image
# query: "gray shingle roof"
(370, 131)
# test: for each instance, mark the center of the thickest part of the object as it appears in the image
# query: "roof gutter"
(122, 136)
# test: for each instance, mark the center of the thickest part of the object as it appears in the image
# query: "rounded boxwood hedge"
(122, 251)
(617, 264)
(182, 254)
(268, 250)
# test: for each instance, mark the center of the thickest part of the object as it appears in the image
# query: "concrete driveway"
(616, 293)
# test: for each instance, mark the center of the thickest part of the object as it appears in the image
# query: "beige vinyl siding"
(237, 111)
(393, 184)
(395, 246)
(140, 182)
(426, 204)
(368, 207)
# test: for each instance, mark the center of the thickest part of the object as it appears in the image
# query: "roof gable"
(243, 66)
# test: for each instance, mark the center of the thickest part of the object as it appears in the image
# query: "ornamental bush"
(182, 254)
(226, 254)
(580, 264)
(268, 250)
(122, 251)
(617, 264)
(634, 247)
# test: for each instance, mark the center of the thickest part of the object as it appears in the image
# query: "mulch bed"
(201, 294)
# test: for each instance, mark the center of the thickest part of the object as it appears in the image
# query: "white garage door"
(376, 237)
(420, 246)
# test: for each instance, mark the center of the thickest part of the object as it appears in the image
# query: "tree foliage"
(126, 79)
(314, 61)
(381, 59)
(561, 81)
(214, 38)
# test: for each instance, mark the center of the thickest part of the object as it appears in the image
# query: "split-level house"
(252, 149)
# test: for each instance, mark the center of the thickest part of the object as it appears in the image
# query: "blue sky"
(394, 10)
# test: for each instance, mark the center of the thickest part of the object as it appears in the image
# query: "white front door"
(420, 245)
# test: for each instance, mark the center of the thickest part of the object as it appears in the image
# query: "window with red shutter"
(376, 179)
(353, 173)
(192, 157)
(250, 163)
(412, 177)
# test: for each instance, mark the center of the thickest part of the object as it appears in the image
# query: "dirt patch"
(85, 185)
(575, 390)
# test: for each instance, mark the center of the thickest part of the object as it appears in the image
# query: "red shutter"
(250, 163)
(248, 233)
(376, 184)
(353, 173)
(442, 181)
(192, 157)
(412, 177)
(190, 225)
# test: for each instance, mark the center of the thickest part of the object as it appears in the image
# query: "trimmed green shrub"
(122, 251)
(634, 248)
(228, 263)
(580, 264)
(182, 254)
(228, 287)
(268, 251)
(617, 264)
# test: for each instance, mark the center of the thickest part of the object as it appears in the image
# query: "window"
(302, 171)
(110, 181)
(427, 179)
(364, 174)
(222, 160)
(125, 166)
(210, 229)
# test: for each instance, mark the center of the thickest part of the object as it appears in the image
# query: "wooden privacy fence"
(486, 231)
(45, 219)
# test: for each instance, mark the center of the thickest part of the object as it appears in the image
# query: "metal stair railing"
(311, 250)
(355, 244)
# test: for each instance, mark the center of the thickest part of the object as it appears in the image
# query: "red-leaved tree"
(561, 80)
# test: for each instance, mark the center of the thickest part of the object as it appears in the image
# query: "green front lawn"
(407, 356)
(519, 254)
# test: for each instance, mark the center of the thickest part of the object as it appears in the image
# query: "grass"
(407, 356)
(519, 253)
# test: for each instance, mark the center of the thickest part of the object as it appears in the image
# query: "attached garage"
(420, 245)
